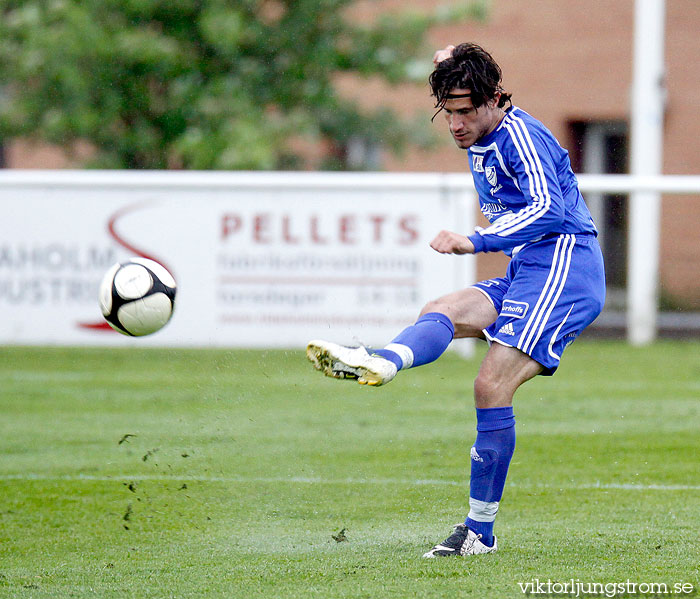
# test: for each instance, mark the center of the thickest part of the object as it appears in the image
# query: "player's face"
(468, 124)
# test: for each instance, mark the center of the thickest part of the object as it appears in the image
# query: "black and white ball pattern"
(137, 297)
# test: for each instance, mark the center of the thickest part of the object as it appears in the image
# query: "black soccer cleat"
(462, 541)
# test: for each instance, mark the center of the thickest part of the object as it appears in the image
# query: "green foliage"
(200, 83)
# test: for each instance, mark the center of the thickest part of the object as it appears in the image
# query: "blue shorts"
(553, 289)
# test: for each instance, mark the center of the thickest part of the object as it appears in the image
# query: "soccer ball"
(137, 297)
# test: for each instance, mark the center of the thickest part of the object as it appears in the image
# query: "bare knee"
(503, 370)
(469, 310)
(462, 323)
(437, 306)
(483, 387)
(490, 391)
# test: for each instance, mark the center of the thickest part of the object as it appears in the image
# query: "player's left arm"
(530, 159)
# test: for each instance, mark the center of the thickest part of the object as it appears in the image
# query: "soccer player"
(553, 288)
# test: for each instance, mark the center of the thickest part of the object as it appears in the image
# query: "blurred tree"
(201, 84)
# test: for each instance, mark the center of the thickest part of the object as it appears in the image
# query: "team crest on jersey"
(478, 162)
(491, 174)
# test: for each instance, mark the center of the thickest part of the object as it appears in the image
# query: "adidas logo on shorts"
(507, 329)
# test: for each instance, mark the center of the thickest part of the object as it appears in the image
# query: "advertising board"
(261, 259)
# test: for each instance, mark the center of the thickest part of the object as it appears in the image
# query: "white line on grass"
(336, 481)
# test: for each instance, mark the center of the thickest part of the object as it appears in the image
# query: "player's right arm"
(447, 242)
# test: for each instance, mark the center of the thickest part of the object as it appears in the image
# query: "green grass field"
(244, 465)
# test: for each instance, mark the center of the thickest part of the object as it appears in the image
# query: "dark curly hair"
(470, 67)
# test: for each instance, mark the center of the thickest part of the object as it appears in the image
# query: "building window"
(362, 154)
(601, 147)
(355, 154)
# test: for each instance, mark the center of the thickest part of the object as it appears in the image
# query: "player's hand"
(443, 54)
(447, 242)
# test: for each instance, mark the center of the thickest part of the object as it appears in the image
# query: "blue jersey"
(526, 187)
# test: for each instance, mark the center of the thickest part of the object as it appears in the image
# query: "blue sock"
(421, 343)
(490, 458)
